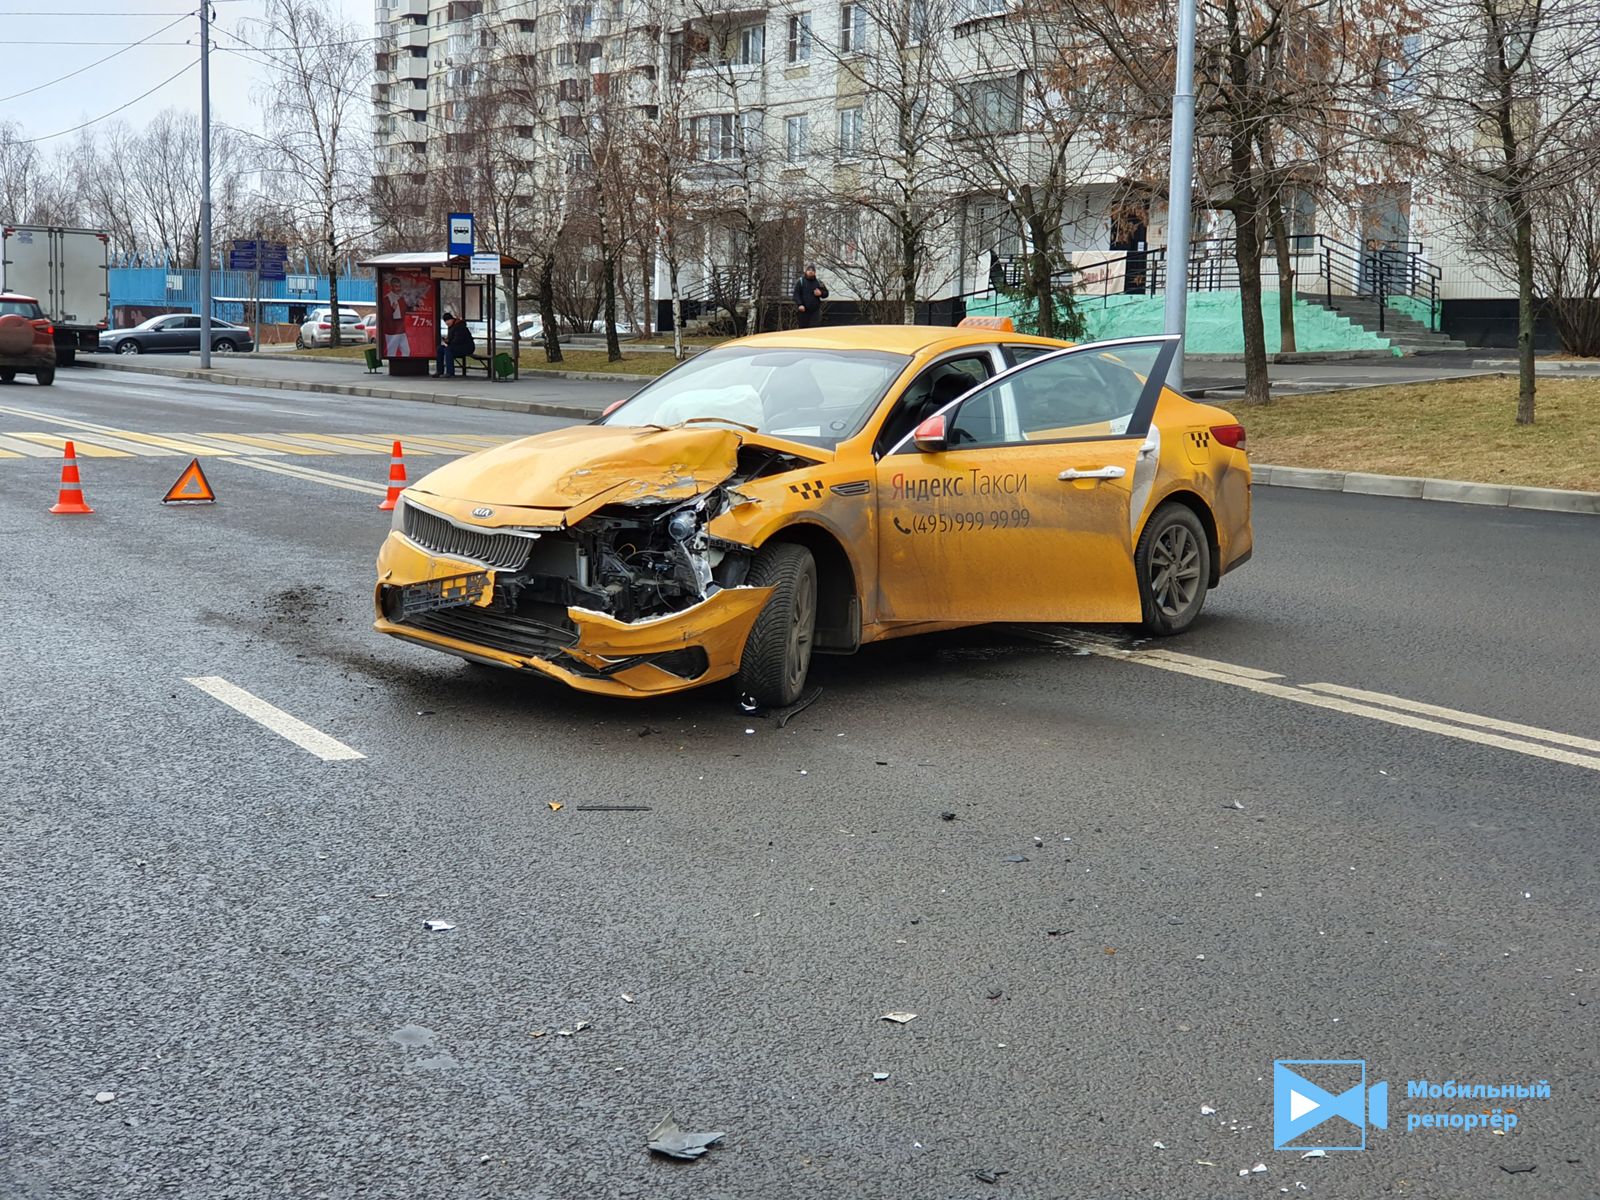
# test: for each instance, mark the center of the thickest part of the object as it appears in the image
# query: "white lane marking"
(281, 723)
(1473, 728)
(348, 482)
(1455, 714)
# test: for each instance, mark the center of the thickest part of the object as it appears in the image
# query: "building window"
(852, 28)
(796, 134)
(989, 106)
(752, 46)
(717, 135)
(976, 10)
(849, 132)
(800, 38)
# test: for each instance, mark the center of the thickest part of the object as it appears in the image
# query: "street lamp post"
(205, 184)
(1180, 188)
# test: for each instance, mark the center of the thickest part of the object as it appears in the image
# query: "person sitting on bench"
(458, 346)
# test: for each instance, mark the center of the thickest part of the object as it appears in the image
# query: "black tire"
(1173, 562)
(299, 341)
(45, 376)
(224, 346)
(777, 653)
(129, 346)
(8, 376)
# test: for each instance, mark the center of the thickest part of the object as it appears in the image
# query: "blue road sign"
(461, 234)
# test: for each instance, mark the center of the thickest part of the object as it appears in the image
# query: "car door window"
(1017, 354)
(1073, 395)
(930, 391)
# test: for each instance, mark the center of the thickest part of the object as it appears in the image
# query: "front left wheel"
(1173, 561)
(777, 654)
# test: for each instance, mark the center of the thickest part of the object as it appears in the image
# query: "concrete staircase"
(1406, 334)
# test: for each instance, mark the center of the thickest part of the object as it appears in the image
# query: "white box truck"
(67, 272)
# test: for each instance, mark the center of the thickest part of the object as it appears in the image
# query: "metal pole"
(1180, 188)
(205, 184)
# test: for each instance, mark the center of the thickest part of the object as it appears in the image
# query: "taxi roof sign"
(192, 487)
(1003, 324)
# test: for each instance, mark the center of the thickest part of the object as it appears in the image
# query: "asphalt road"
(227, 932)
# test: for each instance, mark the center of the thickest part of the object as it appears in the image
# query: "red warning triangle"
(191, 488)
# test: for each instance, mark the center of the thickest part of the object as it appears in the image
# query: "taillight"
(324, 325)
(1229, 435)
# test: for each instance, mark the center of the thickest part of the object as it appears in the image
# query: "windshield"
(815, 396)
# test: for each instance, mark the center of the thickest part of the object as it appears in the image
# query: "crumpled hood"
(569, 467)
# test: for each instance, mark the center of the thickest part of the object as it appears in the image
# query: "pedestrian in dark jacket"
(458, 343)
(809, 293)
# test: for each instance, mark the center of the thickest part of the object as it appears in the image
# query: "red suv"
(27, 340)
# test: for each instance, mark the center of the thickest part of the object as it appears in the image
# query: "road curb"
(1452, 491)
(533, 407)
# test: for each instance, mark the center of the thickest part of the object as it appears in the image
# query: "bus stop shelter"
(414, 293)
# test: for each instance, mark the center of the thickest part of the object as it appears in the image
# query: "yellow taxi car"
(814, 491)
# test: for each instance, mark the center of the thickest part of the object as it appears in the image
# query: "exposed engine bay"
(633, 561)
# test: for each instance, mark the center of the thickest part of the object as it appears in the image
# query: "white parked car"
(318, 329)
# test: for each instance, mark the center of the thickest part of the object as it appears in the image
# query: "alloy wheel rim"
(1174, 570)
(802, 628)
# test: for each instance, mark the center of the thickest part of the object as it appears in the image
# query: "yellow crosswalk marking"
(87, 449)
(102, 441)
(16, 448)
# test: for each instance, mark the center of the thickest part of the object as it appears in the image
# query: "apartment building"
(820, 124)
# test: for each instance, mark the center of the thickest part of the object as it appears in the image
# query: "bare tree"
(315, 156)
(895, 146)
(1280, 85)
(1505, 92)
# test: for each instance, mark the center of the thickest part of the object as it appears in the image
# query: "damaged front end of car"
(627, 593)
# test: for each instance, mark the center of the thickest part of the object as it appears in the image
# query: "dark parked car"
(175, 334)
(27, 340)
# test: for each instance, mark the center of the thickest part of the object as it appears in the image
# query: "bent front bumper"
(587, 650)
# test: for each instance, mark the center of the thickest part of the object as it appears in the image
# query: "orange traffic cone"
(70, 499)
(397, 478)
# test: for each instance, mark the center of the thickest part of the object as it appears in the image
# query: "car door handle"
(1097, 473)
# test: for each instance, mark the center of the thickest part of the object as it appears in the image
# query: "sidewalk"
(544, 393)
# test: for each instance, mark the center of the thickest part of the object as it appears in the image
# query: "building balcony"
(414, 38)
(414, 68)
(409, 8)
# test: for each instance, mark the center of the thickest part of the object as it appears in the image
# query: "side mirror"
(930, 436)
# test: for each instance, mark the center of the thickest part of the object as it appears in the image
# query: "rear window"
(21, 308)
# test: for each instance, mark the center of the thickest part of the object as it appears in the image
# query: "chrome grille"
(506, 551)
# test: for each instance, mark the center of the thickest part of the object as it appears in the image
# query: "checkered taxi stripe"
(1200, 439)
(809, 490)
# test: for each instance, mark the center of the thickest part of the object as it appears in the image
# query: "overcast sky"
(87, 32)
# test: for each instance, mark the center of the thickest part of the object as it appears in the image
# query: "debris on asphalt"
(536, 1033)
(899, 1018)
(613, 807)
(1315, 1154)
(666, 1138)
(879, 1076)
(424, 712)
(1236, 806)
(1206, 1110)
(1016, 858)
(438, 926)
(555, 805)
(412, 1035)
(882, 762)
(749, 730)
(1158, 1145)
(947, 815)
(645, 732)
(627, 999)
(785, 715)
(1038, 841)
(1518, 1168)
(989, 1175)
(1255, 1170)
(104, 1097)
(1204, 1162)
(995, 993)
(748, 704)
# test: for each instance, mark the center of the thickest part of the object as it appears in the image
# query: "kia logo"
(483, 512)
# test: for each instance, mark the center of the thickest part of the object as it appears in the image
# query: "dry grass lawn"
(1451, 429)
